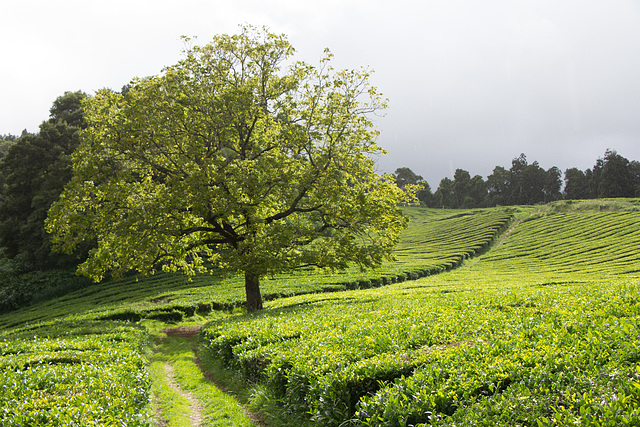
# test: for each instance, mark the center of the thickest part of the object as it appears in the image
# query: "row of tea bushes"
(584, 242)
(569, 363)
(403, 355)
(74, 374)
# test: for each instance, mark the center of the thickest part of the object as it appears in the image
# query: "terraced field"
(542, 329)
(534, 333)
(429, 245)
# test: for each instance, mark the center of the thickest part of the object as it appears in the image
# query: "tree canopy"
(33, 173)
(227, 161)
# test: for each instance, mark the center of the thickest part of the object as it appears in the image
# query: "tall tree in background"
(576, 184)
(478, 192)
(225, 159)
(553, 185)
(461, 188)
(6, 142)
(498, 187)
(517, 191)
(634, 167)
(406, 179)
(33, 174)
(444, 196)
(615, 176)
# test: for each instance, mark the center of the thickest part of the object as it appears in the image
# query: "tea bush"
(65, 374)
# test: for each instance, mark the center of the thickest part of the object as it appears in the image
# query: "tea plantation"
(524, 316)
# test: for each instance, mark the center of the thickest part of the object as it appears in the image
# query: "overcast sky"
(471, 84)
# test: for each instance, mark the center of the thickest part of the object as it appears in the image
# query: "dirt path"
(507, 233)
(188, 333)
(195, 406)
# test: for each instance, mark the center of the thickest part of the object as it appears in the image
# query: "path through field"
(194, 404)
(499, 243)
(185, 394)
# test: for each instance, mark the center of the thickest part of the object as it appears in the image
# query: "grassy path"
(497, 244)
(182, 394)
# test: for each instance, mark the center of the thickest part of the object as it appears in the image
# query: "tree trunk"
(252, 288)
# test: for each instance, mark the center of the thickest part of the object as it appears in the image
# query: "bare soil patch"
(183, 331)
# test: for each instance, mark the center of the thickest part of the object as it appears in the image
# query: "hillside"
(541, 327)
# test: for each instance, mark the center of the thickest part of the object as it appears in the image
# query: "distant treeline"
(528, 184)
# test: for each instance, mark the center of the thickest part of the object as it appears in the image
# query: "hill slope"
(543, 329)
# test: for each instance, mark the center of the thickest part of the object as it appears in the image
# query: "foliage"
(91, 374)
(528, 184)
(32, 176)
(613, 176)
(225, 159)
(6, 142)
(21, 290)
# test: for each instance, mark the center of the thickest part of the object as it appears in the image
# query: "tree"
(6, 142)
(405, 176)
(444, 196)
(575, 184)
(517, 192)
(478, 191)
(461, 188)
(498, 187)
(552, 185)
(424, 194)
(408, 181)
(33, 174)
(634, 167)
(226, 161)
(616, 176)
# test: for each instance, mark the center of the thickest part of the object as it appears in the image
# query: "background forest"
(527, 184)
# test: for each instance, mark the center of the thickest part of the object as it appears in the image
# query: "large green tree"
(227, 160)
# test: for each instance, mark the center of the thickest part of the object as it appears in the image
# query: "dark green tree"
(405, 176)
(444, 196)
(553, 185)
(424, 194)
(498, 187)
(478, 191)
(461, 189)
(33, 174)
(517, 191)
(6, 142)
(634, 166)
(616, 177)
(576, 185)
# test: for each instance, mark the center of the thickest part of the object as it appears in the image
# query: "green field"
(521, 316)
